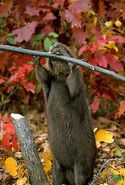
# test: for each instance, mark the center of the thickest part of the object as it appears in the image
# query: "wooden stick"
(61, 58)
(29, 151)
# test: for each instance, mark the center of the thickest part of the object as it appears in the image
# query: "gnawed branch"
(29, 151)
(61, 58)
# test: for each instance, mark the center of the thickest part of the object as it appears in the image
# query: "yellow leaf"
(104, 136)
(121, 182)
(47, 156)
(11, 166)
(108, 24)
(111, 45)
(115, 172)
(122, 73)
(122, 171)
(118, 23)
(47, 166)
(95, 20)
(71, 1)
(104, 173)
(21, 181)
(119, 172)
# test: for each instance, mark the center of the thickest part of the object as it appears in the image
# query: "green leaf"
(53, 41)
(47, 43)
(31, 76)
(10, 40)
(117, 178)
(38, 37)
(118, 153)
(53, 34)
(3, 23)
(38, 88)
(123, 155)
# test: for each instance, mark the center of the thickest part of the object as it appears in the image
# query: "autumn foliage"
(93, 29)
(92, 32)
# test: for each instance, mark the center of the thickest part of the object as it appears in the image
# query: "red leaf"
(73, 18)
(79, 6)
(82, 49)
(108, 96)
(118, 39)
(15, 144)
(9, 129)
(47, 29)
(102, 60)
(121, 109)
(12, 68)
(95, 105)
(94, 61)
(42, 61)
(78, 38)
(29, 86)
(32, 10)
(25, 33)
(20, 74)
(94, 48)
(8, 135)
(2, 81)
(49, 16)
(102, 40)
(44, 5)
(5, 142)
(8, 120)
(58, 3)
(116, 66)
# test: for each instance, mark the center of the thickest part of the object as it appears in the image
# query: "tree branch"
(61, 58)
(102, 168)
(29, 151)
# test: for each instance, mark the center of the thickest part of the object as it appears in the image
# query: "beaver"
(70, 132)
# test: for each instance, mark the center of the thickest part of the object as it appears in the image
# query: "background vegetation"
(93, 29)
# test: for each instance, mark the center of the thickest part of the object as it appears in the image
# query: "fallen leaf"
(47, 166)
(104, 136)
(108, 24)
(121, 109)
(11, 166)
(95, 105)
(47, 156)
(21, 181)
(118, 23)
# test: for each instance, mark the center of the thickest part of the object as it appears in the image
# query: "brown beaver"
(70, 132)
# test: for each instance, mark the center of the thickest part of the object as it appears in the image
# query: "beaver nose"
(57, 45)
(54, 48)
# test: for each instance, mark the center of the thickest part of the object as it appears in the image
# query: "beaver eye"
(57, 45)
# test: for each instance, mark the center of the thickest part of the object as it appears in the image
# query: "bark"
(29, 151)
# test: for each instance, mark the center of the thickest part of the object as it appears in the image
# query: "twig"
(61, 58)
(29, 151)
(102, 168)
